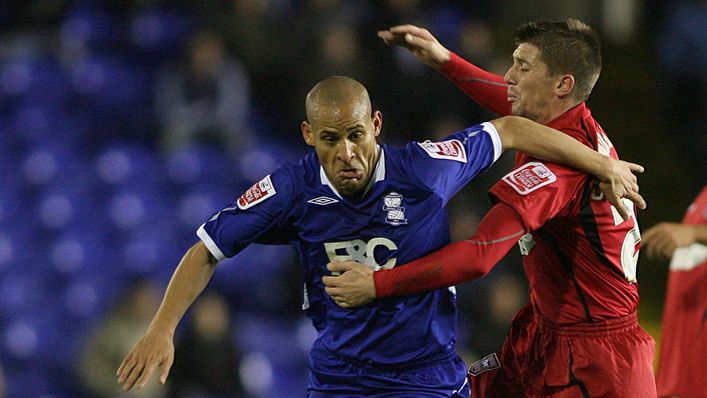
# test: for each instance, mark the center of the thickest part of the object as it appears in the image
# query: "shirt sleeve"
(257, 216)
(446, 166)
(457, 262)
(485, 88)
(539, 191)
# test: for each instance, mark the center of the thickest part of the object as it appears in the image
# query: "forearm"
(457, 262)
(700, 231)
(485, 88)
(188, 281)
(548, 144)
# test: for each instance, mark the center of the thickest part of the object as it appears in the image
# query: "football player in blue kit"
(353, 199)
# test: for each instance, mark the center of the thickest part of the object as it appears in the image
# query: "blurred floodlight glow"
(21, 340)
(15, 77)
(7, 250)
(146, 31)
(55, 211)
(255, 164)
(256, 373)
(88, 77)
(113, 166)
(306, 334)
(127, 211)
(68, 255)
(81, 299)
(195, 209)
(40, 167)
(141, 256)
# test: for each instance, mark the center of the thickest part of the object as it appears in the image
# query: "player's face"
(344, 138)
(530, 86)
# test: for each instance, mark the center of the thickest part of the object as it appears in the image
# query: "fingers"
(330, 281)
(410, 29)
(166, 366)
(635, 167)
(335, 294)
(619, 205)
(132, 376)
(339, 266)
(145, 375)
(124, 365)
(636, 198)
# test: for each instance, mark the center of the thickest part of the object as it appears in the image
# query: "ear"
(377, 123)
(307, 133)
(564, 86)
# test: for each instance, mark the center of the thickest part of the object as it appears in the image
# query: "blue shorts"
(331, 376)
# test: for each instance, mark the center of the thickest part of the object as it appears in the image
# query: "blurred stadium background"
(126, 124)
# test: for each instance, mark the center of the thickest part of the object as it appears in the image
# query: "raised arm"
(616, 176)
(156, 347)
(485, 88)
(455, 263)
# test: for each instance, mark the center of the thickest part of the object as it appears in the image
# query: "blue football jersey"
(400, 218)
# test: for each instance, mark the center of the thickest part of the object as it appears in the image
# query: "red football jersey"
(580, 256)
(681, 367)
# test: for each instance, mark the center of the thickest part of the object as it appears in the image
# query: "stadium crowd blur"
(125, 125)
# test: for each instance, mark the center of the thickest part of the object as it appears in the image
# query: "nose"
(509, 76)
(345, 151)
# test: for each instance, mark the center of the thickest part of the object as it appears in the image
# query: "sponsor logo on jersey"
(489, 362)
(322, 201)
(529, 177)
(449, 150)
(361, 251)
(395, 212)
(260, 191)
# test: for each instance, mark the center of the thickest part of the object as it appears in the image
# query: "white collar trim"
(378, 174)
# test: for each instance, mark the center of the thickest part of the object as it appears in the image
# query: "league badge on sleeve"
(489, 362)
(529, 177)
(449, 150)
(260, 191)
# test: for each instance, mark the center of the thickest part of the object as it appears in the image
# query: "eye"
(355, 135)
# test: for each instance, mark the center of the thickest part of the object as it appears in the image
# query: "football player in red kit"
(681, 370)
(579, 336)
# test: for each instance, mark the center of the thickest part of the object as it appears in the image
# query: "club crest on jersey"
(260, 191)
(393, 205)
(449, 150)
(529, 177)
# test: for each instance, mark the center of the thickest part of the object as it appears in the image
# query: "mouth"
(352, 174)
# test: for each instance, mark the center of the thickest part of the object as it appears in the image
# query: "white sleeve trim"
(210, 244)
(493, 133)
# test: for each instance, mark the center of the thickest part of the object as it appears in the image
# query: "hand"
(665, 237)
(354, 287)
(619, 181)
(419, 41)
(154, 350)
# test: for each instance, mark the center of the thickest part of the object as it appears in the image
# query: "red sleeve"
(457, 262)
(539, 191)
(485, 88)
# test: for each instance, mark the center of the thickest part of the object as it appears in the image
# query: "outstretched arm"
(455, 263)
(156, 348)
(542, 142)
(664, 238)
(485, 88)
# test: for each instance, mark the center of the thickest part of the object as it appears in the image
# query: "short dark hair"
(566, 47)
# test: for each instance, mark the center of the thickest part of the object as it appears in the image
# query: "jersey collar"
(378, 174)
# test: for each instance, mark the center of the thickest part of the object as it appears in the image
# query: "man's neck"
(557, 109)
